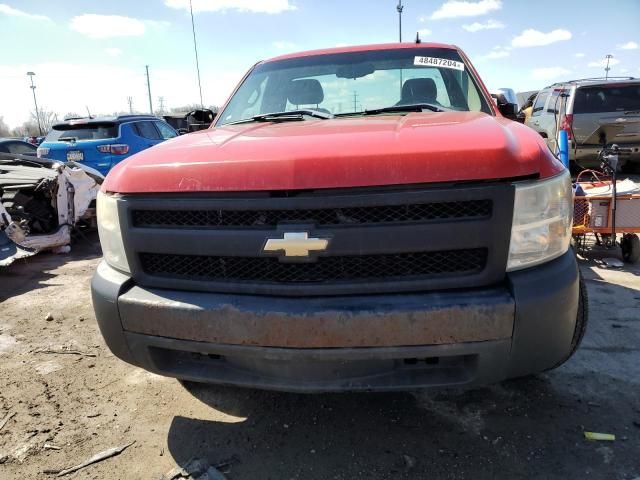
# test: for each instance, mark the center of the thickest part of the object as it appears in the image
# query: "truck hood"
(341, 152)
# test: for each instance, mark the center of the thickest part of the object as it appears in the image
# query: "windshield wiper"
(290, 116)
(413, 107)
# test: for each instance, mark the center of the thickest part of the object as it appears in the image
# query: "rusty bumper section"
(338, 322)
(374, 342)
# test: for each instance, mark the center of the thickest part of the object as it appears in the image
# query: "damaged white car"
(41, 202)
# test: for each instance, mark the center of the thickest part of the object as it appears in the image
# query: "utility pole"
(607, 68)
(149, 90)
(161, 101)
(400, 7)
(130, 102)
(195, 49)
(355, 101)
(33, 89)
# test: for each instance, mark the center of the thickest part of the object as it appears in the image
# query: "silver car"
(594, 112)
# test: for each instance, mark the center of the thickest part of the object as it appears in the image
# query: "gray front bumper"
(376, 342)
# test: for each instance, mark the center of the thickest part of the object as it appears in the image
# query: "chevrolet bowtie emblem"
(296, 244)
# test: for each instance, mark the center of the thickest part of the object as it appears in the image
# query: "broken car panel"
(40, 203)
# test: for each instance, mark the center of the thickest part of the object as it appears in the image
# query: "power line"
(195, 49)
(161, 101)
(355, 101)
(130, 102)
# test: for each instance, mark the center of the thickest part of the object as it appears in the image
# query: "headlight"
(542, 217)
(110, 233)
(42, 152)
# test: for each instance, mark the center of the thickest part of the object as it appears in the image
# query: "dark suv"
(594, 112)
(102, 142)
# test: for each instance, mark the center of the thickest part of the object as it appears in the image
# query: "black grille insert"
(326, 269)
(419, 212)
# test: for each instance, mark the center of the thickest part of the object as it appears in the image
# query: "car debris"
(197, 468)
(98, 457)
(41, 202)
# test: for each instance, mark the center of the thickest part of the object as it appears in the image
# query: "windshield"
(607, 98)
(89, 131)
(350, 83)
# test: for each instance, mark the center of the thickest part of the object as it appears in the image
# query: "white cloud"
(113, 52)
(14, 12)
(579, 55)
(536, 38)
(254, 6)
(629, 46)
(458, 8)
(549, 73)
(107, 26)
(282, 45)
(496, 53)
(603, 63)
(423, 32)
(488, 25)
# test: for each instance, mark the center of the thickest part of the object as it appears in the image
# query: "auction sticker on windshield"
(438, 62)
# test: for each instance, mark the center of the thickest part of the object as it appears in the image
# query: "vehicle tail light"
(567, 125)
(115, 149)
(119, 149)
(42, 152)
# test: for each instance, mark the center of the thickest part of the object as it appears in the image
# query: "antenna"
(399, 8)
(418, 37)
(87, 107)
(195, 49)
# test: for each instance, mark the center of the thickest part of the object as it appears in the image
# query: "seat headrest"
(417, 90)
(306, 91)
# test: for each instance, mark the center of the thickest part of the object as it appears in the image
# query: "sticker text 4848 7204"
(438, 62)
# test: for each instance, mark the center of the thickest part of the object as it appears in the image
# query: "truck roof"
(361, 48)
(581, 82)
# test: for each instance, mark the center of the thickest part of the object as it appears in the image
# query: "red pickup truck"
(359, 218)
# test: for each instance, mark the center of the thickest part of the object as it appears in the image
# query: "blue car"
(103, 142)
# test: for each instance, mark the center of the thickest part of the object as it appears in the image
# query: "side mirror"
(507, 109)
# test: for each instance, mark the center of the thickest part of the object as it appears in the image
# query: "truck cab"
(359, 218)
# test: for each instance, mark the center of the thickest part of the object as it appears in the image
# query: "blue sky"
(92, 53)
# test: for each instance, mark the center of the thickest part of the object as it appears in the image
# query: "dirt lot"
(84, 401)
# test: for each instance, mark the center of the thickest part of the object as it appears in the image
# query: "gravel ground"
(70, 399)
